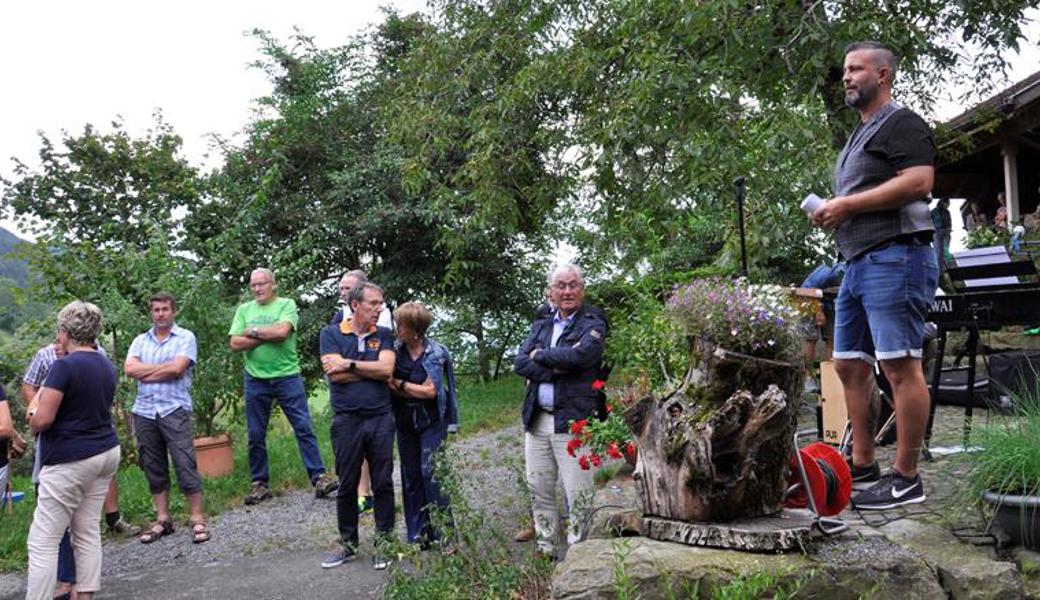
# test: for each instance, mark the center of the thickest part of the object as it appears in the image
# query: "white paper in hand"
(812, 203)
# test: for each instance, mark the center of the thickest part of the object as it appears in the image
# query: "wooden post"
(1009, 150)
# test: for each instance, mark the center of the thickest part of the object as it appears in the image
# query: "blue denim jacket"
(437, 362)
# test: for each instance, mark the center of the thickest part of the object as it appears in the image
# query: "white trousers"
(545, 453)
(70, 496)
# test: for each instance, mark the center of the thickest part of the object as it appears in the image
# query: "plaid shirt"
(41, 363)
(858, 170)
(160, 398)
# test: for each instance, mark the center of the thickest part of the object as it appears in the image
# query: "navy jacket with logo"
(571, 366)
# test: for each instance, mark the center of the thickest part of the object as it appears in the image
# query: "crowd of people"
(388, 382)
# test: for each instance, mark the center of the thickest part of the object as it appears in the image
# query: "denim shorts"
(883, 301)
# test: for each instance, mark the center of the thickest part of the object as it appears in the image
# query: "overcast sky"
(67, 63)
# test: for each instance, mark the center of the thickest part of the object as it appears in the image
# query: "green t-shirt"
(269, 359)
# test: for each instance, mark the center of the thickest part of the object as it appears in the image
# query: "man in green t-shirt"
(265, 329)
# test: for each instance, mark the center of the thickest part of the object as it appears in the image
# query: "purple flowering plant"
(760, 320)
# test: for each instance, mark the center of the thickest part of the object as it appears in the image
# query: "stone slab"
(786, 530)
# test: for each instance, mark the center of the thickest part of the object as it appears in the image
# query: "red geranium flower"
(583, 462)
(596, 460)
(612, 450)
(598, 384)
(630, 449)
(573, 446)
(578, 425)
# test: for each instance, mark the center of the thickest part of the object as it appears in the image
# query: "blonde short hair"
(414, 316)
(81, 321)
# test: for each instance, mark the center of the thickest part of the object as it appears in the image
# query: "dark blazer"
(571, 366)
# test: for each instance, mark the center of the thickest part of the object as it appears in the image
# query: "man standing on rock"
(161, 360)
(265, 329)
(358, 357)
(561, 358)
(880, 215)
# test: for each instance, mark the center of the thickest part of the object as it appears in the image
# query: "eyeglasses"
(563, 286)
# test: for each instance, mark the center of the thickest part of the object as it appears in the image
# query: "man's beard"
(861, 96)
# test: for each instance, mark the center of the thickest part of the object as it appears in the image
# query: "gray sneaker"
(324, 485)
(258, 494)
(381, 561)
(337, 557)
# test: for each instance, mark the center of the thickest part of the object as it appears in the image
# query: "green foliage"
(982, 237)
(97, 198)
(481, 564)
(624, 587)
(1008, 457)
(644, 341)
(777, 586)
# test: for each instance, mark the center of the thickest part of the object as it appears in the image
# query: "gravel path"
(273, 550)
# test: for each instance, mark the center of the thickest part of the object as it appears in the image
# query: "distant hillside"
(11, 268)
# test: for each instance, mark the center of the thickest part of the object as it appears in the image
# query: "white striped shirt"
(159, 399)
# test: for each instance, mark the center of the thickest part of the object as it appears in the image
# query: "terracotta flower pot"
(214, 455)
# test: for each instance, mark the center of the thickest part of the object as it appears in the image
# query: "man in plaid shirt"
(161, 360)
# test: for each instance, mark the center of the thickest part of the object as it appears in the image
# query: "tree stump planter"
(717, 449)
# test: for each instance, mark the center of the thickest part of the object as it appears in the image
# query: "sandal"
(199, 532)
(156, 531)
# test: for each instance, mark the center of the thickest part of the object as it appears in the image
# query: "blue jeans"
(261, 395)
(354, 439)
(883, 301)
(419, 435)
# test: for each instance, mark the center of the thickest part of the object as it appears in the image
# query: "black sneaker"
(864, 477)
(891, 491)
(337, 557)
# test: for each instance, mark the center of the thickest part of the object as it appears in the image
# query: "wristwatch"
(254, 332)
(353, 366)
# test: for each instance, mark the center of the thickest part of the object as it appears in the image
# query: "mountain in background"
(14, 269)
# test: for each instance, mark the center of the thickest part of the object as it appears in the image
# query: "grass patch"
(482, 407)
(488, 406)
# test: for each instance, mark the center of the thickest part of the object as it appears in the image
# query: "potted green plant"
(1003, 470)
(217, 381)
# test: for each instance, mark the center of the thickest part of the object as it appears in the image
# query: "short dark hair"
(358, 293)
(882, 51)
(163, 297)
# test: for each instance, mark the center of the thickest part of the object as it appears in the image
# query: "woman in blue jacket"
(425, 410)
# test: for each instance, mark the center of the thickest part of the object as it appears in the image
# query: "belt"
(914, 240)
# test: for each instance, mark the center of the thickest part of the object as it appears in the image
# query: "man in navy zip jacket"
(561, 359)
